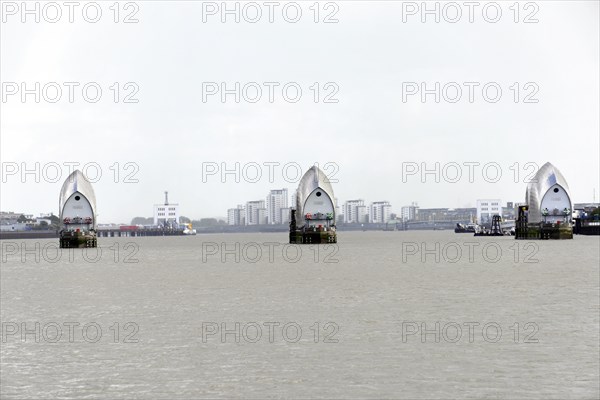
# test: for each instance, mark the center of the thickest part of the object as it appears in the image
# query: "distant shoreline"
(28, 235)
(208, 230)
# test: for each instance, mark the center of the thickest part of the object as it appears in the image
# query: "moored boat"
(468, 228)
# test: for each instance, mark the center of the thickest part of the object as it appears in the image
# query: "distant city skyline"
(392, 112)
(260, 205)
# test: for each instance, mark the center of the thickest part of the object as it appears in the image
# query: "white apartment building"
(380, 211)
(253, 214)
(362, 214)
(409, 213)
(236, 216)
(276, 201)
(285, 215)
(261, 216)
(352, 208)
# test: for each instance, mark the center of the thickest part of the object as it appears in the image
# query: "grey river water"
(381, 315)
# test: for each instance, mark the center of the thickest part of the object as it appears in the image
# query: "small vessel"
(187, 229)
(313, 219)
(586, 222)
(471, 227)
(77, 205)
(468, 228)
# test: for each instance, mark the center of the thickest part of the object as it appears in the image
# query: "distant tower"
(166, 198)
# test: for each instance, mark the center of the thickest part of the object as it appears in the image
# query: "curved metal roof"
(313, 178)
(76, 182)
(547, 176)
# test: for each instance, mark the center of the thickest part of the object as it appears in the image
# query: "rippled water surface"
(516, 319)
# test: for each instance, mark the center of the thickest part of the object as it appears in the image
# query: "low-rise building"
(487, 208)
(167, 213)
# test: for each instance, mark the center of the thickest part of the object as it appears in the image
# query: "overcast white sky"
(369, 133)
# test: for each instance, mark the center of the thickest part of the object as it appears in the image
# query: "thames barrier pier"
(547, 211)
(77, 205)
(313, 219)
